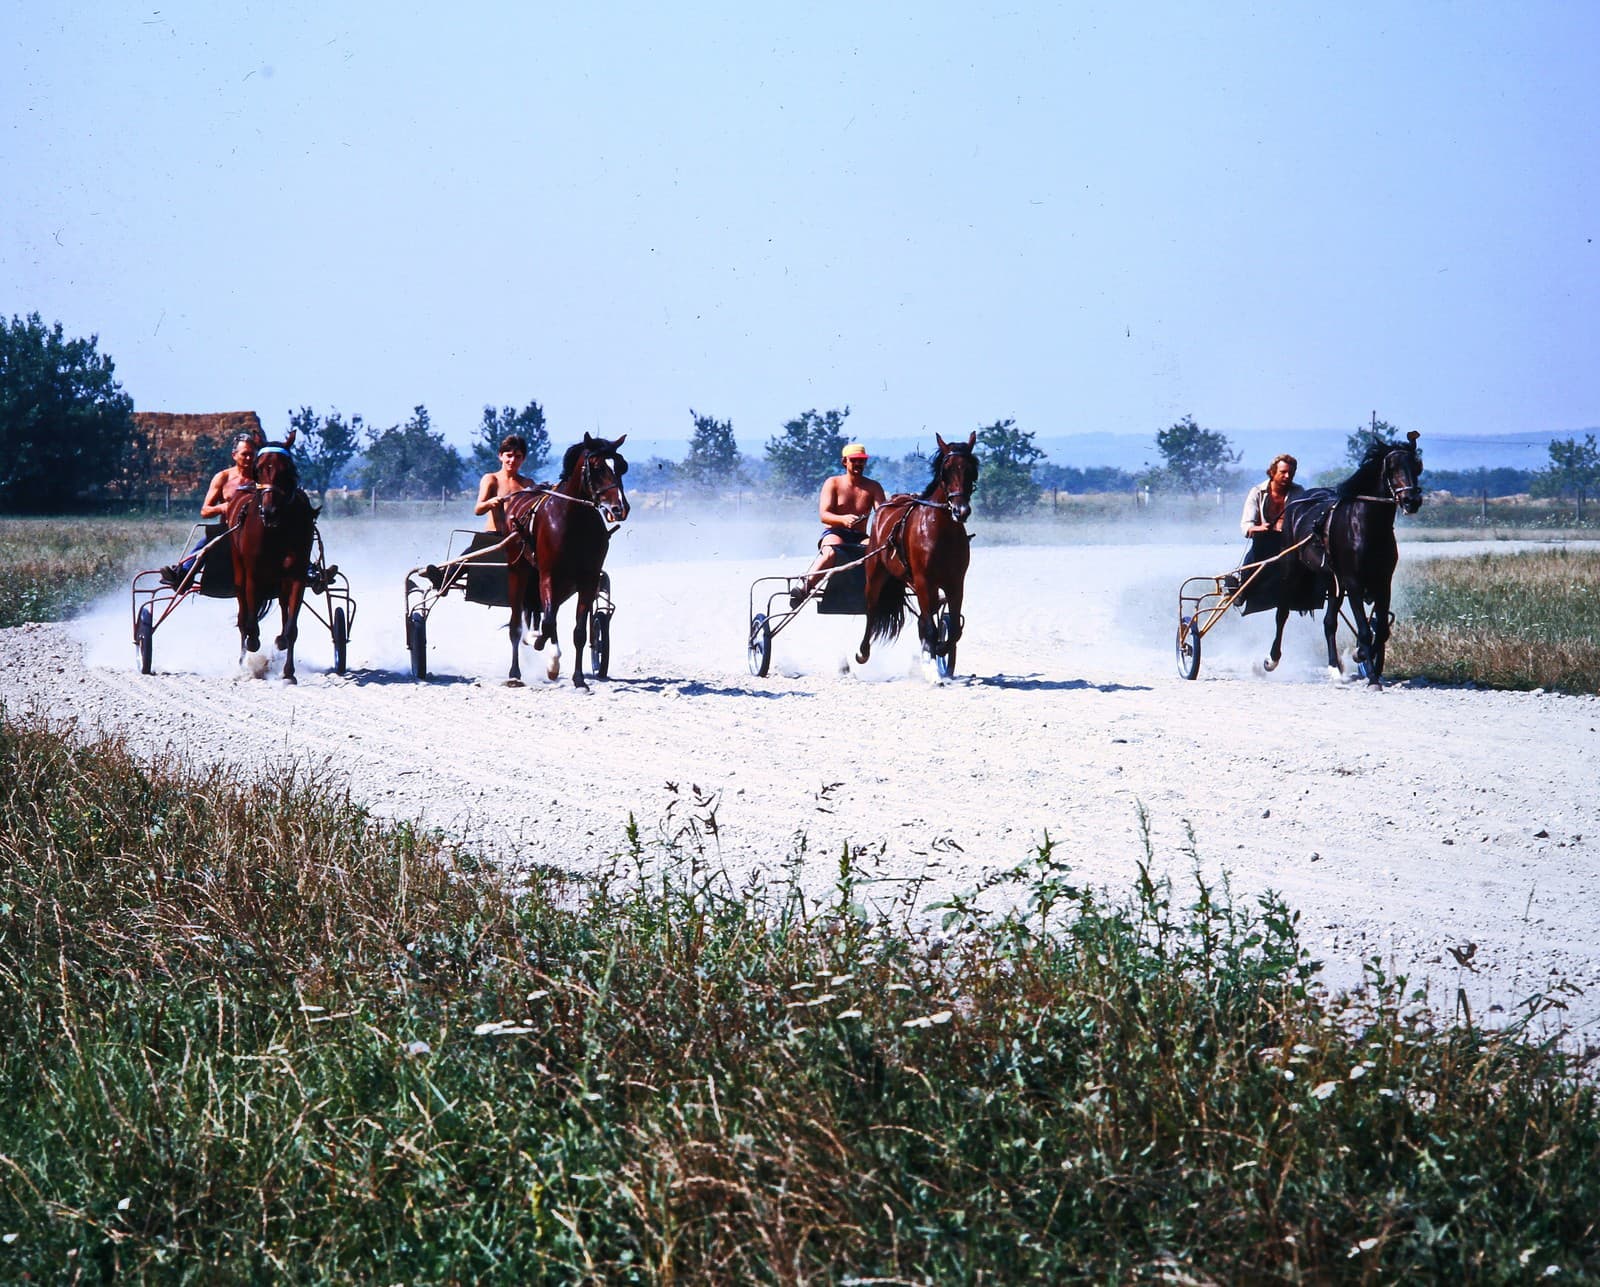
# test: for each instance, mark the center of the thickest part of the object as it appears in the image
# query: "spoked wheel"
(341, 636)
(760, 647)
(600, 644)
(417, 644)
(944, 657)
(1188, 648)
(144, 638)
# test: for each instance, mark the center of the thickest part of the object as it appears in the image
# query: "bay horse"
(271, 527)
(561, 548)
(922, 541)
(1346, 550)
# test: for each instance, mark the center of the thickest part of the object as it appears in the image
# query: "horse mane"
(955, 449)
(1365, 480)
(600, 446)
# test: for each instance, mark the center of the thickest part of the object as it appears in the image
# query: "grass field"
(248, 1032)
(1519, 620)
(50, 567)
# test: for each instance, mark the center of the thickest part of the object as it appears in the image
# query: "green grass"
(248, 1032)
(50, 567)
(1515, 620)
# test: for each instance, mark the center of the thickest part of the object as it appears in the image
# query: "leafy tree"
(1503, 480)
(657, 473)
(323, 446)
(411, 461)
(1076, 481)
(67, 436)
(495, 425)
(1008, 456)
(908, 474)
(1358, 443)
(1574, 470)
(713, 458)
(1196, 459)
(806, 452)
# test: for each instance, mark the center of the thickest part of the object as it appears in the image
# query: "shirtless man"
(228, 483)
(846, 503)
(496, 486)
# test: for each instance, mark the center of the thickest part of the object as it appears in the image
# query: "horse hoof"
(290, 679)
(515, 683)
(279, 644)
(861, 657)
(1269, 665)
(553, 670)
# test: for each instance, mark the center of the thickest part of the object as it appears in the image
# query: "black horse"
(1343, 546)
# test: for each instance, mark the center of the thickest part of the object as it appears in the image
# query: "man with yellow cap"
(845, 505)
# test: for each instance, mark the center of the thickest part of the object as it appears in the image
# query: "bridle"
(1399, 494)
(612, 508)
(954, 500)
(260, 490)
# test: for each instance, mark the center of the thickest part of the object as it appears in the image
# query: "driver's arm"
(486, 501)
(212, 506)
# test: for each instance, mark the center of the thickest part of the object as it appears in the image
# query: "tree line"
(68, 441)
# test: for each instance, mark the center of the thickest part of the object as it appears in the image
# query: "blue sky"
(1086, 217)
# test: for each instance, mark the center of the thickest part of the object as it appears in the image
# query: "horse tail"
(888, 614)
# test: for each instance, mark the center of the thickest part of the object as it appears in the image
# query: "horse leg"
(580, 634)
(873, 583)
(1275, 653)
(291, 628)
(516, 592)
(1379, 626)
(249, 627)
(547, 627)
(927, 622)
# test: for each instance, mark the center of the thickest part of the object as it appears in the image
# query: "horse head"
(592, 470)
(1402, 467)
(955, 474)
(277, 483)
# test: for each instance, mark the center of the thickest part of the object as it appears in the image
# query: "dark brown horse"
(564, 535)
(922, 541)
(1347, 550)
(271, 528)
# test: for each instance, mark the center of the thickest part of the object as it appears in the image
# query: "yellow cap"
(853, 449)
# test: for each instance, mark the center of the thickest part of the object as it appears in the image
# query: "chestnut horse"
(923, 541)
(1347, 550)
(562, 548)
(271, 527)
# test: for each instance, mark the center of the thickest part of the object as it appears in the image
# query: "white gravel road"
(1400, 823)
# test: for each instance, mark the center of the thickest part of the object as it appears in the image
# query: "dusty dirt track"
(1400, 823)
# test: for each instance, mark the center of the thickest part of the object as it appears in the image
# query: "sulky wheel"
(1188, 648)
(417, 644)
(144, 638)
(944, 656)
(600, 644)
(759, 650)
(340, 629)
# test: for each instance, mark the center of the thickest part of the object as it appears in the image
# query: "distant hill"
(1316, 449)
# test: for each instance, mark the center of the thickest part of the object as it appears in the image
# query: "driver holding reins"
(844, 507)
(228, 483)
